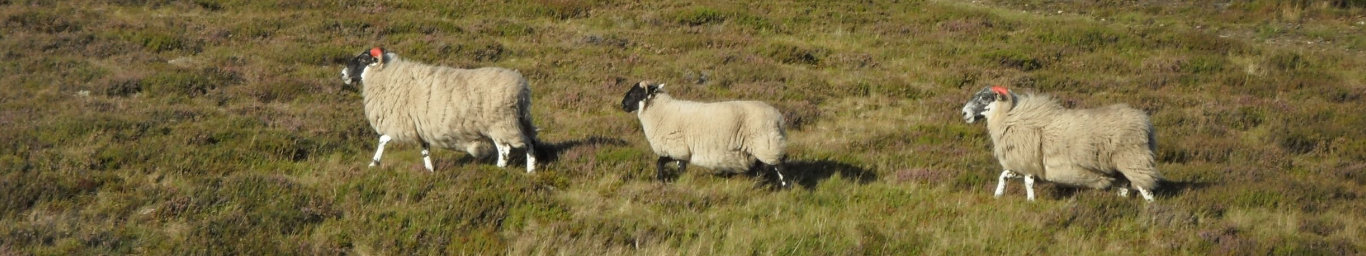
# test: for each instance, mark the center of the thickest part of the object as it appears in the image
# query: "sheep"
(1034, 136)
(723, 136)
(462, 109)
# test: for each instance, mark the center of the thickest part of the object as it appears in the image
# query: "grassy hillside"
(222, 127)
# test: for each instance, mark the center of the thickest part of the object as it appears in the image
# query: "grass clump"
(187, 82)
(794, 54)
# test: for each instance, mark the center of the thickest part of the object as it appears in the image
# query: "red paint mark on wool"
(1000, 90)
(376, 52)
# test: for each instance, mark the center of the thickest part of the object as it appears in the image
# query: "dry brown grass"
(220, 127)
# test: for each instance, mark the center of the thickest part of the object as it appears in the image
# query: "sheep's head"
(638, 95)
(356, 66)
(984, 101)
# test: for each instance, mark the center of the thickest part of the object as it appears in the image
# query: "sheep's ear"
(389, 56)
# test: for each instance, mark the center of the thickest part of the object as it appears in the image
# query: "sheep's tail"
(1139, 165)
(772, 148)
(524, 116)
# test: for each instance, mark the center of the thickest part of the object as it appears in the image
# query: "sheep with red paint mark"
(463, 109)
(1033, 136)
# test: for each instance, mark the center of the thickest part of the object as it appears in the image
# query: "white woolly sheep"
(1034, 136)
(724, 136)
(463, 109)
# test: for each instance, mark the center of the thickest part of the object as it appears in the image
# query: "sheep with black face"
(725, 136)
(1034, 136)
(463, 109)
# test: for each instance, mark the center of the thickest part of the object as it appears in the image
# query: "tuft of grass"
(43, 21)
(699, 16)
(794, 54)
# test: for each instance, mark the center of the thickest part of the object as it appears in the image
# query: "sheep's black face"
(356, 66)
(978, 105)
(638, 93)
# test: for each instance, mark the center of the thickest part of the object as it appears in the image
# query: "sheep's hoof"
(1147, 195)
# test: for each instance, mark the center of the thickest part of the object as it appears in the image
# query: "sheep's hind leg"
(503, 151)
(1147, 195)
(778, 168)
(383, 139)
(1123, 192)
(1001, 182)
(1029, 186)
(426, 156)
(530, 158)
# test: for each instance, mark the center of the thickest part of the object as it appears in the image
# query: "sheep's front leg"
(659, 167)
(426, 156)
(1001, 182)
(383, 139)
(1029, 187)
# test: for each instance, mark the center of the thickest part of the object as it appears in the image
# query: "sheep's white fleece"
(726, 136)
(448, 107)
(1034, 135)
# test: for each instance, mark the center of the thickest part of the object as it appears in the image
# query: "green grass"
(221, 127)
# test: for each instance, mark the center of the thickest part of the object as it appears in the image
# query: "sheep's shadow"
(551, 152)
(1165, 188)
(809, 173)
(545, 153)
(1172, 188)
(806, 174)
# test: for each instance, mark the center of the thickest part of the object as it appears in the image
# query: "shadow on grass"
(551, 152)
